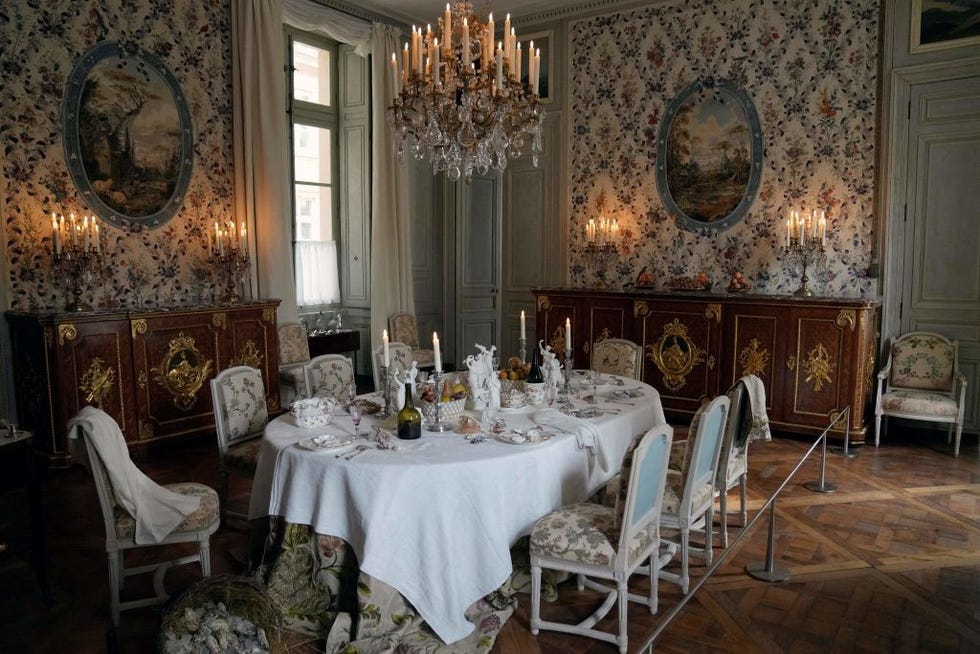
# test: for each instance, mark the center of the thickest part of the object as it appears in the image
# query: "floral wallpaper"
(811, 71)
(40, 43)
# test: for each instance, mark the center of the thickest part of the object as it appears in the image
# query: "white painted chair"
(618, 356)
(329, 375)
(240, 417)
(400, 356)
(733, 460)
(591, 540)
(120, 534)
(922, 381)
(294, 353)
(403, 328)
(689, 496)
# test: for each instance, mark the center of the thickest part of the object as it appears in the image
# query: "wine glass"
(355, 416)
(351, 393)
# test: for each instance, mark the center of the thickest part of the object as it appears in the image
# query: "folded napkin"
(156, 509)
(585, 433)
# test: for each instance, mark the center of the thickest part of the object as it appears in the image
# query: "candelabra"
(230, 266)
(385, 393)
(567, 388)
(805, 237)
(76, 265)
(598, 256)
(437, 424)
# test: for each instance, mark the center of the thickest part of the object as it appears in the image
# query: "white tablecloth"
(436, 519)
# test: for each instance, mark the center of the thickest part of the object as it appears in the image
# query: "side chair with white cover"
(240, 417)
(689, 496)
(137, 511)
(922, 381)
(294, 353)
(618, 356)
(592, 540)
(403, 328)
(329, 375)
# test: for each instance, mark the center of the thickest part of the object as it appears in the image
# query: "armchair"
(922, 381)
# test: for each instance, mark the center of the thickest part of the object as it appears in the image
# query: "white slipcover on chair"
(240, 417)
(618, 356)
(329, 375)
(403, 328)
(689, 496)
(922, 381)
(592, 540)
(137, 511)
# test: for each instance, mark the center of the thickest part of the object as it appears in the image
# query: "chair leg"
(115, 585)
(959, 433)
(204, 548)
(653, 571)
(623, 601)
(685, 551)
(724, 517)
(877, 429)
(743, 497)
(709, 530)
(535, 597)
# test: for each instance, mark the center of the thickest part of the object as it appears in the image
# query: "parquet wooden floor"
(890, 562)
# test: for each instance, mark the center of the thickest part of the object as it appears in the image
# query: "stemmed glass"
(351, 393)
(355, 416)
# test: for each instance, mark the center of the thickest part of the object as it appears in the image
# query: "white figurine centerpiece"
(484, 384)
(550, 366)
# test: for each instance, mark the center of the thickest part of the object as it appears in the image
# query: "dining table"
(435, 517)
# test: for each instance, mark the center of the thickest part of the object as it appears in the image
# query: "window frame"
(301, 112)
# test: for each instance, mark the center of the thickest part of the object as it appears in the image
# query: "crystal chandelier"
(459, 98)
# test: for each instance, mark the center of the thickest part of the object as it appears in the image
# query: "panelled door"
(941, 263)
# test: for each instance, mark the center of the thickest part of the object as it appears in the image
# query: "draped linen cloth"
(157, 510)
(312, 17)
(260, 155)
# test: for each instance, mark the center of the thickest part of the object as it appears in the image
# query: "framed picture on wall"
(542, 41)
(941, 24)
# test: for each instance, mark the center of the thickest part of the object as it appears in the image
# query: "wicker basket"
(450, 410)
(242, 596)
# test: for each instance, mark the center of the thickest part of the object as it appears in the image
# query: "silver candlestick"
(567, 388)
(385, 393)
(522, 347)
(437, 424)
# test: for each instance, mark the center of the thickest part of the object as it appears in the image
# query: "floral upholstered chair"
(922, 381)
(240, 417)
(400, 359)
(294, 353)
(592, 540)
(403, 328)
(329, 375)
(617, 356)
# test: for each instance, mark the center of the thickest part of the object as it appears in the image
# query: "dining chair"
(609, 543)
(733, 459)
(689, 495)
(400, 358)
(294, 353)
(922, 381)
(329, 375)
(618, 356)
(240, 416)
(403, 328)
(109, 460)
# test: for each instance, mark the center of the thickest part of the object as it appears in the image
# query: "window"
(314, 123)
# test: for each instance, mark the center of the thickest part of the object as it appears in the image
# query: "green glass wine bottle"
(409, 418)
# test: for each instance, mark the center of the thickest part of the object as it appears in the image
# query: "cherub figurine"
(549, 362)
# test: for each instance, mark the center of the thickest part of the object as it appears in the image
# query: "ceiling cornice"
(366, 14)
(577, 9)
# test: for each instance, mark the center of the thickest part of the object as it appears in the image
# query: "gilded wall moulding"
(97, 382)
(675, 355)
(818, 367)
(754, 359)
(182, 371)
(66, 332)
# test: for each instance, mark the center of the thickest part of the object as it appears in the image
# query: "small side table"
(17, 456)
(343, 341)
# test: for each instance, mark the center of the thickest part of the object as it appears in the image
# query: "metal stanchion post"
(821, 486)
(768, 570)
(845, 451)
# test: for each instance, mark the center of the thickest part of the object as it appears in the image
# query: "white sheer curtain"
(313, 17)
(391, 242)
(316, 273)
(260, 148)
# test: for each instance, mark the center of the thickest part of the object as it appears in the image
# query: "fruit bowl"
(450, 410)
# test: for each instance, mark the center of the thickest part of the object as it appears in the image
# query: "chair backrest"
(103, 487)
(400, 356)
(923, 361)
(240, 411)
(737, 427)
(293, 346)
(646, 475)
(403, 328)
(707, 430)
(618, 356)
(329, 375)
